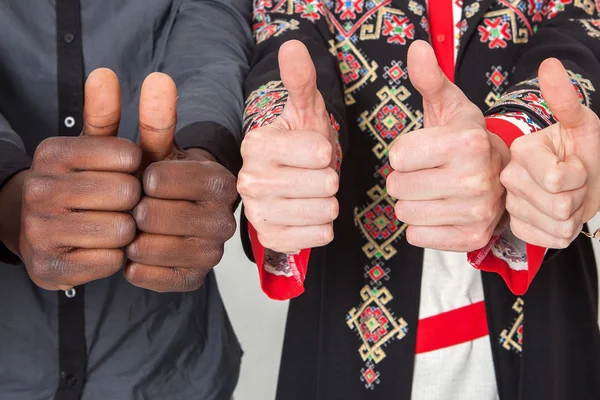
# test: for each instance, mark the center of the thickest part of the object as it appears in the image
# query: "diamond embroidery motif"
(390, 119)
(375, 324)
(379, 225)
(395, 73)
(398, 29)
(377, 273)
(497, 78)
(369, 377)
(496, 31)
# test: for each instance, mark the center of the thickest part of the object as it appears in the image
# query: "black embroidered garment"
(359, 48)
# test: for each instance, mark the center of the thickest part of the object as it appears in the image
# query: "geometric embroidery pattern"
(512, 339)
(390, 119)
(355, 69)
(377, 273)
(379, 225)
(497, 79)
(592, 26)
(376, 326)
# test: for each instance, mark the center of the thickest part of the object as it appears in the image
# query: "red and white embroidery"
(495, 31)
(309, 9)
(398, 28)
(349, 8)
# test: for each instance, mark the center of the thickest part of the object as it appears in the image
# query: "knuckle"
(400, 210)
(53, 151)
(562, 206)
(562, 243)
(565, 229)
(37, 190)
(269, 240)
(331, 182)
(34, 231)
(124, 228)
(152, 179)
(475, 142)
(554, 180)
(253, 214)
(396, 156)
(506, 176)
(323, 151)
(129, 155)
(213, 256)
(223, 185)
(129, 191)
(479, 238)
(477, 185)
(482, 212)
(47, 267)
(334, 208)
(228, 225)
(325, 235)
(253, 144)
(248, 185)
(392, 186)
(191, 279)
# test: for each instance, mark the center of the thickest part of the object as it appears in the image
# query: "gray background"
(260, 322)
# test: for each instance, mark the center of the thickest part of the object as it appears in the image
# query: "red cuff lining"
(278, 287)
(507, 131)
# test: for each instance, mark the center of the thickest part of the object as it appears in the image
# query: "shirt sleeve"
(207, 55)
(282, 275)
(13, 159)
(516, 261)
(569, 33)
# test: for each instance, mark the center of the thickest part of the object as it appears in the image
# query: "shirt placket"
(70, 78)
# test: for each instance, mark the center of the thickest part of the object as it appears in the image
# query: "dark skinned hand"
(77, 196)
(186, 212)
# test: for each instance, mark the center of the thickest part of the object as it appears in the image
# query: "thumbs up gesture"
(446, 176)
(553, 179)
(77, 195)
(186, 212)
(288, 181)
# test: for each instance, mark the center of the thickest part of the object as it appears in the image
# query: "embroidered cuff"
(516, 261)
(281, 275)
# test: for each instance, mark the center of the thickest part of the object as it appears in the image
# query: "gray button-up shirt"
(137, 344)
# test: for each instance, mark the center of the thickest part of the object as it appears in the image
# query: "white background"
(259, 322)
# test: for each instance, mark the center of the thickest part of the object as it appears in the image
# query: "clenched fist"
(77, 195)
(553, 179)
(288, 181)
(186, 212)
(446, 176)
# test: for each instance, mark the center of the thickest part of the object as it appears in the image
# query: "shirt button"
(69, 122)
(441, 38)
(71, 293)
(69, 37)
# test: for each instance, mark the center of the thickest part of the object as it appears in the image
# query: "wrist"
(10, 211)
(500, 147)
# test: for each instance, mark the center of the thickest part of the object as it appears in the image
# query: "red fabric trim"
(517, 281)
(452, 327)
(507, 131)
(279, 287)
(442, 34)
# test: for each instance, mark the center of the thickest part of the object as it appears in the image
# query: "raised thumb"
(158, 117)
(305, 105)
(428, 78)
(102, 106)
(560, 95)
